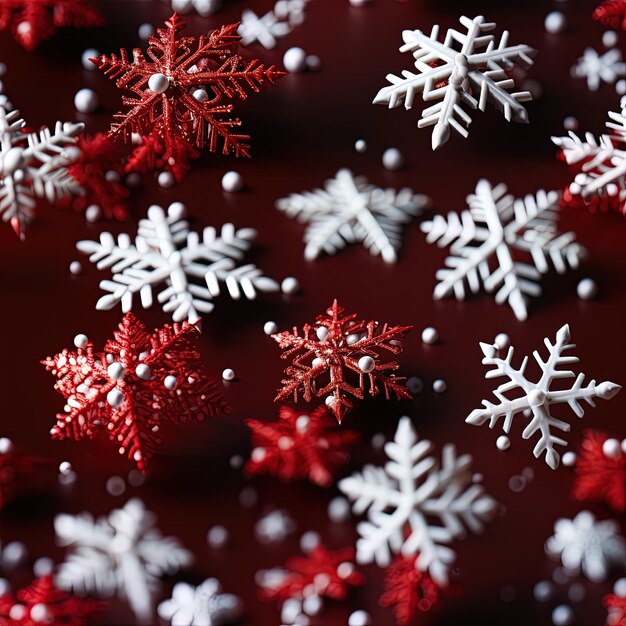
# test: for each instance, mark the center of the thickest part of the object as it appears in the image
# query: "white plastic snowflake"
(204, 605)
(202, 7)
(502, 244)
(122, 553)
(167, 253)
(273, 25)
(274, 527)
(466, 71)
(351, 210)
(416, 505)
(588, 546)
(535, 399)
(599, 68)
(602, 162)
(33, 165)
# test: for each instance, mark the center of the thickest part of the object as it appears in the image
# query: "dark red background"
(303, 131)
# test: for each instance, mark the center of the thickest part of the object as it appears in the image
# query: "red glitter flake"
(612, 13)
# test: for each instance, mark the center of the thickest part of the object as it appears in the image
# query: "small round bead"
(555, 22)
(309, 541)
(218, 537)
(4, 586)
(322, 333)
(86, 101)
(76, 268)
(502, 341)
(294, 60)
(359, 3)
(200, 95)
(619, 588)
(232, 182)
(248, 497)
(159, 83)
(338, 509)
(562, 615)
(228, 374)
(90, 53)
(290, 285)
(136, 478)
(269, 328)
(93, 213)
(543, 591)
(367, 364)
(360, 145)
(359, 618)
(143, 371)
(587, 289)
(116, 371)
(313, 63)
(170, 382)
(18, 611)
(133, 180)
(439, 386)
(378, 441)
(115, 486)
(80, 341)
(609, 38)
(576, 592)
(13, 554)
(611, 448)
(40, 613)
(503, 442)
(569, 459)
(115, 397)
(312, 605)
(6, 445)
(392, 159)
(166, 180)
(624, 446)
(430, 335)
(517, 483)
(65, 467)
(620, 88)
(236, 461)
(43, 566)
(570, 123)
(145, 30)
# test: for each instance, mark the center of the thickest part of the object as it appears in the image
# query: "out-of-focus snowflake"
(274, 527)
(273, 25)
(599, 68)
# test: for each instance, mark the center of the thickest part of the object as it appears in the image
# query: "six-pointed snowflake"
(166, 254)
(33, 165)
(611, 13)
(334, 357)
(121, 553)
(183, 96)
(271, 26)
(467, 71)
(535, 399)
(502, 244)
(349, 210)
(43, 603)
(416, 505)
(202, 7)
(600, 183)
(140, 381)
(34, 21)
(299, 445)
(588, 546)
(204, 605)
(599, 68)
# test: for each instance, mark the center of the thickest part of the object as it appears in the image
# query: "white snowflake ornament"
(502, 244)
(534, 400)
(122, 553)
(599, 68)
(416, 505)
(588, 546)
(33, 165)
(350, 210)
(467, 71)
(167, 254)
(204, 605)
(202, 7)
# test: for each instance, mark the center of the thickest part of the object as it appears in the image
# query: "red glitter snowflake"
(183, 96)
(16, 469)
(326, 573)
(408, 592)
(612, 13)
(599, 477)
(42, 603)
(299, 445)
(141, 380)
(616, 606)
(34, 21)
(334, 357)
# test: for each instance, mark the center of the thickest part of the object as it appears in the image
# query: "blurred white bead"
(563, 615)
(18, 611)
(609, 38)
(217, 537)
(248, 497)
(13, 553)
(576, 592)
(360, 145)
(338, 509)
(290, 285)
(228, 374)
(90, 53)
(294, 60)
(619, 588)
(570, 123)
(145, 30)
(439, 386)
(359, 618)
(534, 87)
(65, 467)
(620, 89)
(40, 613)
(232, 182)
(116, 371)
(611, 448)
(587, 289)
(543, 591)
(166, 179)
(170, 382)
(503, 442)
(415, 385)
(86, 101)
(115, 397)
(4, 586)
(392, 159)
(115, 486)
(269, 328)
(309, 541)
(430, 335)
(6, 445)
(555, 22)
(313, 63)
(75, 268)
(569, 459)
(80, 341)
(312, 605)
(367, 364)
(93, 213)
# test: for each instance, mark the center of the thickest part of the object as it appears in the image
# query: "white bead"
(313, 63)
(609, 38)
(90, 53)
(620, 88)
(569, 459)
(86, 101)
(338, 509)
(13, 554)
(80, 341)
(430, 335)
(415, 385)
(248, 497)
(378, 441)
(503, 442)
(367, 364)
(360, 617)
(563, 615)
(143, 371)
(439, 386)
(170, 382)
(132, 180)
(6, 445)
(290, 285)
(232, 182)
(166, 179)
(228, 374)
(159, 83)
(4, 586)
(359, 3)
(302, 423)
(116, 371)
(75, 268)
(312, 605)
(269, 328)
(40, 613)
(218, 537)
(555, 22)
(392, 159)
(570, 123)
(611, 448)
(624, 446)
(587, 289)
(18, 611)
(115, 486)
(145, 30)
(93, 213)
(65, 467)
(360, 145)
(502, 341)
(290, 610)
(200, 95)
(294, 60)
(619, 588)
(176, 210)
(322, 333)
(309, 541)
(115, 397)
(543, 591)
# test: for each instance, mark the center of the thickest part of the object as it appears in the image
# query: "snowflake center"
(536, 397)
(13, 160)
(159, 83)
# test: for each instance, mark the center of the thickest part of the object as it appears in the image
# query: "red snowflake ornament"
(140, 380)
(325, 573)
(600, 477)
(612, 13)
(408, 592)
(334, 357)
(16, 469)
(42, 603)
(298, 446)
(33, 21)
(183, 96)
